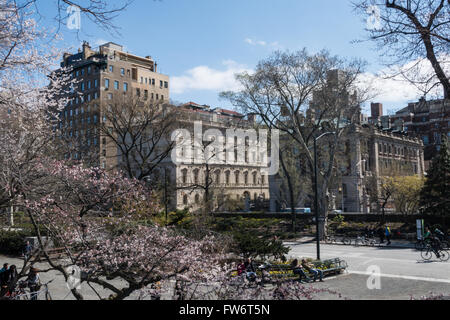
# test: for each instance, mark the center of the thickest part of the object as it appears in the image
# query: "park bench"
(54, 253)
(284, 271)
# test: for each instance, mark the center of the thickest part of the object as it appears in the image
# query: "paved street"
(403, 272)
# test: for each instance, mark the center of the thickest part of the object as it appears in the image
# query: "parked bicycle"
(364, 240)
(330, 239)
(22, 292)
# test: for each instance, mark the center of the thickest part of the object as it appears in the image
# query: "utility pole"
(316, 196)
(165, 192)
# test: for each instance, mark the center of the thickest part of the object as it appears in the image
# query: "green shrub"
(249, 244)
(13, 242)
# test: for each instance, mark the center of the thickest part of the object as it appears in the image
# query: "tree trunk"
(291, 192)
(431, 56)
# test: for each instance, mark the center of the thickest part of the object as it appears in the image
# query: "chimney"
(86, 50)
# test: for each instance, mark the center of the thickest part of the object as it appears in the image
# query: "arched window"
(236, 175)
(246, 178)
(184, 175)
(227, 177)
(255, 181)
(196, 172)
(217, 177)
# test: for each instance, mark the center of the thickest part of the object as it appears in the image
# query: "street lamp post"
(316, 194)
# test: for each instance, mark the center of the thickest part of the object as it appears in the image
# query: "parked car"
(297, 210)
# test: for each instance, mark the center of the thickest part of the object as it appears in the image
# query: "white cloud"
(206, 78)
(261, 43)
(100, 42)
(391, 85)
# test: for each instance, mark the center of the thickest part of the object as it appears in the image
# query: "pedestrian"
(10, 280)
(241, 268)
(5, 268)
(387, 233)
(27, 251)
(310, 268)
(381, 234)
(34, 283)
(250, 269)
(3, 279)
(298, 269)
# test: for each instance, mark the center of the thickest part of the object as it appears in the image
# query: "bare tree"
(296, 94)
(410, 31)
(138, 131)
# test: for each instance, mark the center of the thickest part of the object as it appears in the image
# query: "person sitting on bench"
(310, 268)
(298, 269)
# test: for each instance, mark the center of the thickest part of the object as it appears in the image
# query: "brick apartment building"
(101, 76)
(426, 120)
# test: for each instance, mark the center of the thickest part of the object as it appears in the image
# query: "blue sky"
(200, 44)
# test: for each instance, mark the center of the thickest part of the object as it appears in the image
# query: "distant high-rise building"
(102, 75)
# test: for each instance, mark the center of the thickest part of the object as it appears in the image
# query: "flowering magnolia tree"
(96, 218)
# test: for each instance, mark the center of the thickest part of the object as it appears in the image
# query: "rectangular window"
(122, 72)
(166, 84)
(116, 85)
(89, 70)
(125, 87)
(138, 92)
(111, 68)
(107, 83)
(82, 86)
(160, 84)
(95, 83)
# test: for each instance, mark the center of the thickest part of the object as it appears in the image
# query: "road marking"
(383, 275)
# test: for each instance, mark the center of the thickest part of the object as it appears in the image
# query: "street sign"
(420, 229)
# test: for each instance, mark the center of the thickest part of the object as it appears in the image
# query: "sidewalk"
(398, 244)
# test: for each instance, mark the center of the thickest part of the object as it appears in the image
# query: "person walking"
(387, 233)
(381, 235)
(27, 251)
(310, 268)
